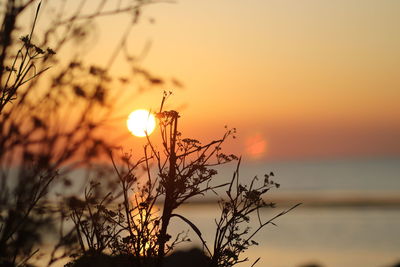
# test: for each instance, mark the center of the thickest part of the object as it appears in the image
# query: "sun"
(141, 122)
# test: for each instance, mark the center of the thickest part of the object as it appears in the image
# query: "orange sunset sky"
(298, 79)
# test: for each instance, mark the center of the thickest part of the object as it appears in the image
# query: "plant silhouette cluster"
(134, 223)
(124, 211)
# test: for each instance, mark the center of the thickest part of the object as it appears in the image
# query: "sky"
(298, 79)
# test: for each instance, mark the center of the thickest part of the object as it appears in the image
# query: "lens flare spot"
(256, 146)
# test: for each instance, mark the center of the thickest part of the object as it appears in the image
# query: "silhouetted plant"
(234, 235)
(173, 174)
(41, 140)
(23, 67)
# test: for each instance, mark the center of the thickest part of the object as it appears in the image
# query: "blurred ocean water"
(355, 175)
(344, 235)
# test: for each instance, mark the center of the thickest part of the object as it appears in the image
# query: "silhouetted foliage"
(126, 218)
(40, 142)
(193, 257)
(129, 224)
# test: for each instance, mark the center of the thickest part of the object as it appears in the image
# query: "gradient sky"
(298, 79)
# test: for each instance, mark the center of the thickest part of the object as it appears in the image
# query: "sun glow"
(141, 122)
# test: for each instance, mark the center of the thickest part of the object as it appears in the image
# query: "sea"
(349, 216)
